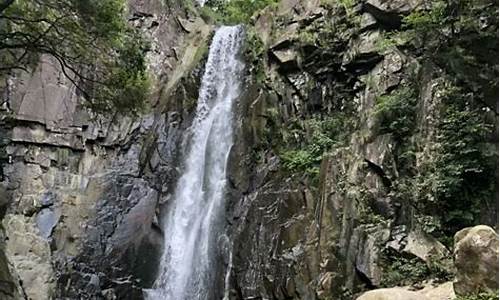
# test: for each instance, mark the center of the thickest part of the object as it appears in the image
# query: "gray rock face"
(81, 196)
(476, 260)
(46, 220)
(295, 239)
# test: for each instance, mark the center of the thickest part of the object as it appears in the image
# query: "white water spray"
(195, 217)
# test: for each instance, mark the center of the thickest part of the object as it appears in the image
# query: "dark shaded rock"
(9, 287)
(389, 14)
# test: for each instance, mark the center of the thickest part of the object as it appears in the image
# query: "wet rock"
(4, 197)
(190, 25)
(476, 260)
(93, 286)
(47, 199)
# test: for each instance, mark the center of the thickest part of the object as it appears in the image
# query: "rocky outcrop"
(81, 193)
(346, 228)
(476, 260)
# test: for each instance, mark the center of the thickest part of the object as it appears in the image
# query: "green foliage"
(237, 11)
(461, 37)
(393, 40)
(314, 139)
(480, 296)
(428, 223)
(400, 270)
(461, 177)
(304, 160)
(455, 179)
(90, 40)
(254, 50)
(397, 111)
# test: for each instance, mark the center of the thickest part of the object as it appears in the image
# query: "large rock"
(30, 255)
(392, 294)
(425, 247)
(476, 260)
(441, 292)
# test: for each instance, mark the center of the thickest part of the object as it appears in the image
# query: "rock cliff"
(330, 174)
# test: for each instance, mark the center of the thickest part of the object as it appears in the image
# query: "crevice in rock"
(380, 172)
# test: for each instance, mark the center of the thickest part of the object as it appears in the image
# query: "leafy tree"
(89, 39)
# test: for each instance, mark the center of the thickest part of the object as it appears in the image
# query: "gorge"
(319, 150)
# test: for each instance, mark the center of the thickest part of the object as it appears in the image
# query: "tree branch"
(5, 4)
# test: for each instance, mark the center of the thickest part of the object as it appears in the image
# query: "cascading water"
(193, 224)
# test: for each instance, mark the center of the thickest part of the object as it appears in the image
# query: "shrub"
(315, 137)
(397, 112)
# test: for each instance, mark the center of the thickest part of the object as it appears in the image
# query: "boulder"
(476, 260)
(429, 292)
(443, 291)
(392, 294)
(425, 247)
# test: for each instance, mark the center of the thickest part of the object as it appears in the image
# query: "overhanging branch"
(5, 4)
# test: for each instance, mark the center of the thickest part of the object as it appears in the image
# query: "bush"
(254, 50)
(400, 270)
(314, 138)
(461, 176)
(397, 112)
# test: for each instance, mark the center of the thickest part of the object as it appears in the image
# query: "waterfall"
(193, 224)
